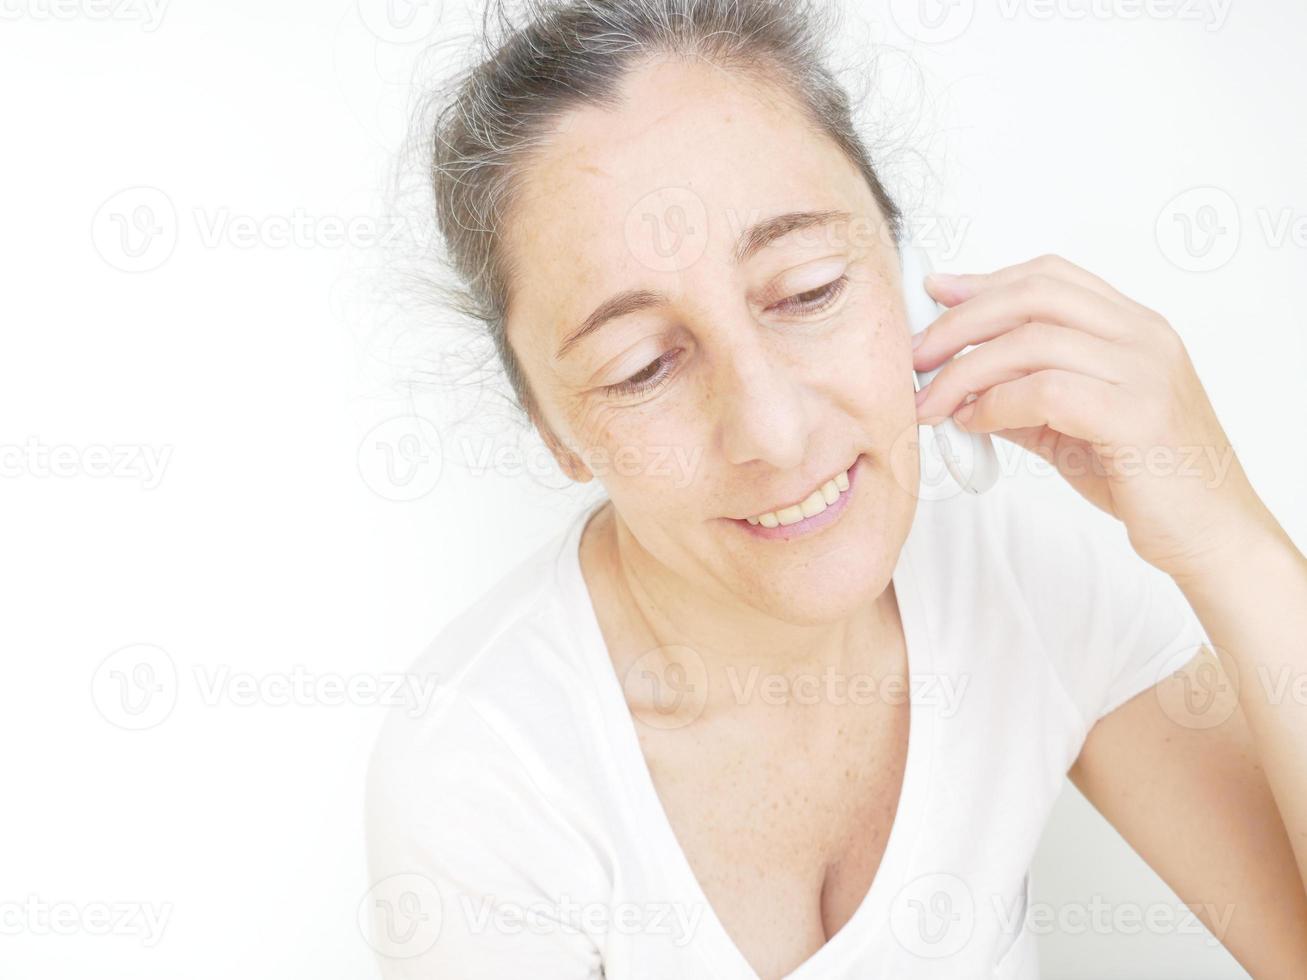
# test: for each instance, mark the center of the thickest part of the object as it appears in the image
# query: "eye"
(814, 300)
(647, 378)
(653, 374)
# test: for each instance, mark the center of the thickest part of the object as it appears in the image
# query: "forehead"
(744, 152)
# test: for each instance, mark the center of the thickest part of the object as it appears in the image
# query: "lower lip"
(809, 525)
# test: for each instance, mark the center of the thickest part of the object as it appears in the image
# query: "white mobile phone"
(969, 456)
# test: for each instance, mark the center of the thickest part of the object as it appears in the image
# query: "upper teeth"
(810, 506)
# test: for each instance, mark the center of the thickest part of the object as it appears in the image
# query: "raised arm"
(1102, 387)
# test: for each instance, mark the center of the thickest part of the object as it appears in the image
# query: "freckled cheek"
(656, 449)
(873, 369)
(596, 425)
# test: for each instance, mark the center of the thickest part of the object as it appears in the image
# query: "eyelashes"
(814, 300)
(646, 379)
(653, 374)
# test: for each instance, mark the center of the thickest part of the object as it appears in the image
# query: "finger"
(1072, 404)
(998, 310)
(1070, 457)
(1024, 350)
(1036, 439)
(954, 289)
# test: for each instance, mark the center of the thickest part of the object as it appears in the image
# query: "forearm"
(1253, 606)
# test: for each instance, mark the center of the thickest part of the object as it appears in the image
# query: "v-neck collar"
(871, 917)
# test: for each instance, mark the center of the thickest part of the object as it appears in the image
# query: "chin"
(841, 575)
(813, 600)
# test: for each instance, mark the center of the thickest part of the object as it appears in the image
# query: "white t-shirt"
(515, 832)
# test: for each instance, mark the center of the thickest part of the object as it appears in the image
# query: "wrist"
(1255, 545)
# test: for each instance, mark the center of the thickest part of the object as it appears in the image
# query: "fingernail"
(922, 395)
(917, 338)
(958, 286)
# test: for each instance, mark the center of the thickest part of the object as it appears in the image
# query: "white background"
(153, 156)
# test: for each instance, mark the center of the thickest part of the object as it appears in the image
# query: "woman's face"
(735, 373)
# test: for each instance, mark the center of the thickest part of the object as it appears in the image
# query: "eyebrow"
(753, 240)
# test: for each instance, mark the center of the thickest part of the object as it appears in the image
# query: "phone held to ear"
(969, 456)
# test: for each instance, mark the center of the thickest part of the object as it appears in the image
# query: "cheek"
(872, 368)
(654, 451)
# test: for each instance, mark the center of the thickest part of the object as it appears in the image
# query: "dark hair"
(572, 53)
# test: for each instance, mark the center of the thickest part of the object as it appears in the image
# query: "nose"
(762, 410)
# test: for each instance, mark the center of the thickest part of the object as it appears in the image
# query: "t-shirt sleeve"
(475, 873)
(1155, 631)
(1114, 625)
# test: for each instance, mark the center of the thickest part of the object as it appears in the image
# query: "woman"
(762, 712)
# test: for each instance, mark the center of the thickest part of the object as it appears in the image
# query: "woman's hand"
(1102, 388)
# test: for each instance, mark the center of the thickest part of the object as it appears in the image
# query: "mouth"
(819, 509)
